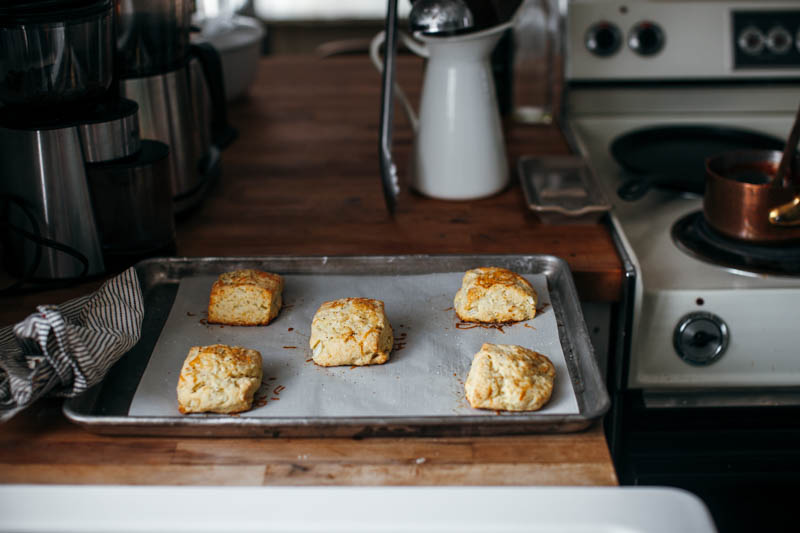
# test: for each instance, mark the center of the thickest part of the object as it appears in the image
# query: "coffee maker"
(180, 90)
(70, 147)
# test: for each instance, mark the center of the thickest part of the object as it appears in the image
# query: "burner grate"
(694, 236)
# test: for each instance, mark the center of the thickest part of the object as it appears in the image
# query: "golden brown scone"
(351, 331)
(510, 378)
(245, 298)
(219, 379)
(493, 294)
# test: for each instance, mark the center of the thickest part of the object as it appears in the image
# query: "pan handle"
(634, 188)
(786, 214)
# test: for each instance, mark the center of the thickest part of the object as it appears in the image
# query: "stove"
(705, 374)
(709, 316)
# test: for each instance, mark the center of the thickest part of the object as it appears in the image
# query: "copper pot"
(741, 193)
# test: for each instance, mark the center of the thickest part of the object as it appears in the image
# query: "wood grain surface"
(303, 179)
(40, 446)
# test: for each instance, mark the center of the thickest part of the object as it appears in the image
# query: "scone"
(351, 331)
(245, 298)
(219, 379)
(509, 378)
(494, 295)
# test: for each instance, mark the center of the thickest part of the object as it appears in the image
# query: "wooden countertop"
(40, 446)
(302, 179)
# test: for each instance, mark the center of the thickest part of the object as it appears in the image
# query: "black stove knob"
(751, 41)
(700, 338)
(603, 39)
(779, 40)
(646, 38)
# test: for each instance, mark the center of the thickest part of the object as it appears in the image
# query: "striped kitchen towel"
(65, 349)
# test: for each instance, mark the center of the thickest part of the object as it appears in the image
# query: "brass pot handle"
(786, 214)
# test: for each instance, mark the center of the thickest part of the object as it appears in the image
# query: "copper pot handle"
(786, 214)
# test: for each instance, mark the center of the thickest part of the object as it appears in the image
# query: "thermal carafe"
(132, 201)
(179, 88)
(54, 53)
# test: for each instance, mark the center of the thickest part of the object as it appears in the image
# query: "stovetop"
(693, 234)
(675, 289)
(647, 222)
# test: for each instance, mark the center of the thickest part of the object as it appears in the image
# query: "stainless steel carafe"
(180, 91)
(55, 52)
(175, 109)
(132, 202)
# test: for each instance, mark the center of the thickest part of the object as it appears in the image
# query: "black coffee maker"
(180, 90)
(79, 187)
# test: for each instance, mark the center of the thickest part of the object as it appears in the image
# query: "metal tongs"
(391, 186)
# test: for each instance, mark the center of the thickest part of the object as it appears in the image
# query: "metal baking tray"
(106, 407)
(561, 190)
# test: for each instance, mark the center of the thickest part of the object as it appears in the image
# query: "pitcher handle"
(222, 133)
(416, 47)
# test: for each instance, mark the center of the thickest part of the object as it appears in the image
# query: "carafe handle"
(415, 46)
(222, 133)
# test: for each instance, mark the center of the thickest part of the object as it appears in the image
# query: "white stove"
(697, 325)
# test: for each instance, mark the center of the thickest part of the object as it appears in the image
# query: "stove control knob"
(646, 38)
(700, 338)
(603, 39)
(779, 40)
(751, 41)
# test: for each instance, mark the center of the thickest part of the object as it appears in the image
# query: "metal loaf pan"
(104, 409)
(561, 190)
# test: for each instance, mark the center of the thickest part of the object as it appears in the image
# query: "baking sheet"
(424, 376)
(105, 408)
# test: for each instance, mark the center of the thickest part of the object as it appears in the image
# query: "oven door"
(744, 462)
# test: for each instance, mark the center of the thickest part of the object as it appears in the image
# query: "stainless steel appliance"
(706, 379)
(47, 206)
(55, 56)
(63, 131)
(179, 88)
(55, 52)
(132, 203)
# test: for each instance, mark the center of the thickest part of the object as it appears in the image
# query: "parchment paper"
(424, 376)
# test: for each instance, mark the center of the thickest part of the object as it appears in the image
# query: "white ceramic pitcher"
(459, 150)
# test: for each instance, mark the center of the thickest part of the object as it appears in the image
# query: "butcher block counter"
(302, 179)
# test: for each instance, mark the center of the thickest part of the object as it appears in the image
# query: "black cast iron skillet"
(673, 157)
